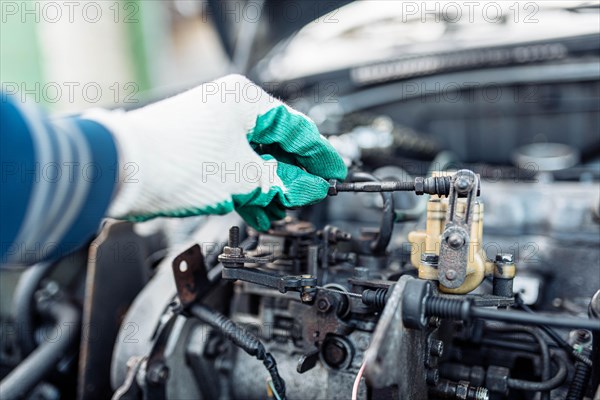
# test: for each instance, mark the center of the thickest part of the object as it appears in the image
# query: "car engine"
(460, 259)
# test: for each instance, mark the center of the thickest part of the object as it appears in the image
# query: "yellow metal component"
(504, 271)
(428, 241)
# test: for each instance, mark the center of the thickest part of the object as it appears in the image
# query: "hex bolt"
(323, 304)
(361, 273)
(504, 272)
(432, 377)
(234, 236)
(436, 347)
(461, 390)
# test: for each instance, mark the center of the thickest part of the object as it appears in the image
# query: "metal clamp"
(454, 246)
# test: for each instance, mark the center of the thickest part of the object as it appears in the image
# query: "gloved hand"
(222, 146)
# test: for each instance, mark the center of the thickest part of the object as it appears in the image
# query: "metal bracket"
(454, 246)
(283, 283)
(190, 275)
(233, 259)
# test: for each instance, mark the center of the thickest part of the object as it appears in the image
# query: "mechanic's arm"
(223, 146)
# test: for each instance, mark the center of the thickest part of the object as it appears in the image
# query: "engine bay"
(460, 259)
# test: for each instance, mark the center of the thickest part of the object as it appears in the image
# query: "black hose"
(534, 319)
(549, 384)
(528, 347)
(44, 358)
(243, 339)
(386, 227)
(580, 380)
(555, 336)
(544, 350)
(23, 305)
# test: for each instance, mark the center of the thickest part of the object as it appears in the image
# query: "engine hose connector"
(419, 303)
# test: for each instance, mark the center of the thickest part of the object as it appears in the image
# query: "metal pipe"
(44, 358)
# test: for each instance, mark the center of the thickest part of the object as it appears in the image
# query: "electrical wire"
(273, 390)
(534, 319)
(357, 381)
(243, 339)
(544, 350)
(555, 336)
(549, 384)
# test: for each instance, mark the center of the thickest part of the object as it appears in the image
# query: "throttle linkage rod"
(435, 185)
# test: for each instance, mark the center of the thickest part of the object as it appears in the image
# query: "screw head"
(455, 241)
(451, 274)
(462, 184)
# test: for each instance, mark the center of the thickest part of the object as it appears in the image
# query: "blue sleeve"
(58, 179)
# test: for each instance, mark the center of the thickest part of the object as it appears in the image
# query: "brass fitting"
(426, 244)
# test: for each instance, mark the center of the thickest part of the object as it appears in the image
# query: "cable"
(534, 319)
(357, 381)
(243, 339)
(438, 306)
(544, 350)
(349, 294)
(270, 383)
(528, 347)
(580, 380)
(549, 384)
(555, 336)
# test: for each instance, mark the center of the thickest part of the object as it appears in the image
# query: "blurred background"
(126, 48)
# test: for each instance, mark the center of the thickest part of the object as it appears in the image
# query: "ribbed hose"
(580, 379)
(375, 298)
(462, 309)
(44, 358)
(447, 308)
(243, 339)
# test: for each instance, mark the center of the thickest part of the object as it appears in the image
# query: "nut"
(506, 258)
(323, 304)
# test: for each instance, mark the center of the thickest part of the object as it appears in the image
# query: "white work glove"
(221, 146)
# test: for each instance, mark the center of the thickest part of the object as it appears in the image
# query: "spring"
(375, 298)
